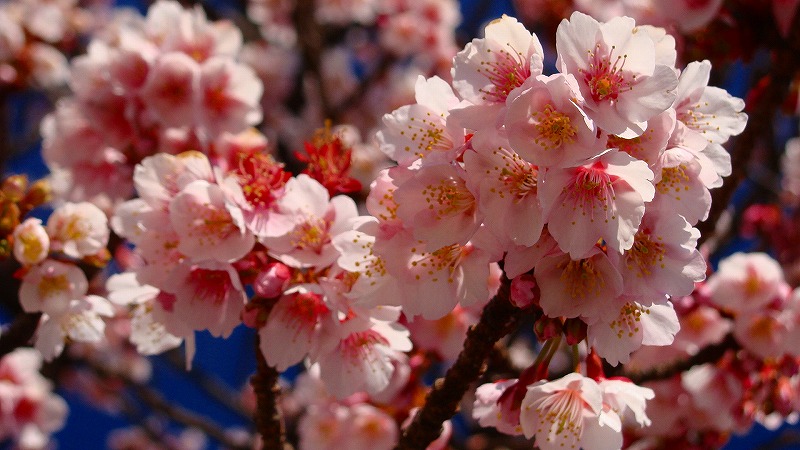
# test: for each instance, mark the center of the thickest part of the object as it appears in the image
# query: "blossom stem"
(498, 318)
(576, 358)
(269, 423)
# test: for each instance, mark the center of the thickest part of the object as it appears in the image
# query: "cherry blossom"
(602, 199)
(745, 282)
(547, 127)
(489, 68)
(78, 229)
(311, 220)
(51, 286)
(421, 130)
(31, 242)
(615, 66)
(568, 411)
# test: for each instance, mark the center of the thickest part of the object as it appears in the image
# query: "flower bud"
(524, 291)
(39, 193)
(14, 187)
(272, 280)
(9, 217)
(547, 328)
(574, 330)
(31, 243)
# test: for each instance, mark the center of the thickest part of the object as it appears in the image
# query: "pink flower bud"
(272, 280)
(574, 330)
(547, 328)
(524, 291)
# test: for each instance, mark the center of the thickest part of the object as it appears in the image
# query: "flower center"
(645, 254)
(673, 179)
(553, 128)
(51, 285)
(604, 77)
(449, 197)
(591, 189)
(581, 278)
(629, 320)
(210, 285)
(311, 234)
(507, 72)
(261, 178)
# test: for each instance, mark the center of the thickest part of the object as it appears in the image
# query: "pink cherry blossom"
(546, 126)
(588, 288)
(603, 199)
(78, 229)
(489, 412)
(80, 322)
(363, 360)
(680, 189)
(450, 275)
(745, 282)
(295, 321)
(636, 325)
(627, 399)
(209, 225)
(207, 296)
(421, 130)
(171, 90)
(507, 190)
(663, 259)
(31, 242)
(312, 219)
(49, 287)
(437, 205)
(567, 412)
(373, 285)
(29, 410)
(229, 95)
(622, 85)
(489, 68)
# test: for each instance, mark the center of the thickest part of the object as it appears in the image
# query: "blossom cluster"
(52, 282)
(746, 301)
(592, 178)
(164, 83)
(578, 191)
(29, 410)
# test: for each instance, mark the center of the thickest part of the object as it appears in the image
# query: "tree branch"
(269, 423)
(709, 354)
(498, 318)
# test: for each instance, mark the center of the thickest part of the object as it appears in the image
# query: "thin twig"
(155, 401)
(310, 38)
(709, 354)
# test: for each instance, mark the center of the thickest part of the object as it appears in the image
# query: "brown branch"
(498, 318)
(311, 41)
(269, 423)
(709, 354)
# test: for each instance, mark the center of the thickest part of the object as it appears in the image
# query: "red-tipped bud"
(594, 366)
(574, 330)
(524, 291)
(547, 328)
(271, 282)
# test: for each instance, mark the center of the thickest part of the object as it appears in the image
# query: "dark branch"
(498, 318)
